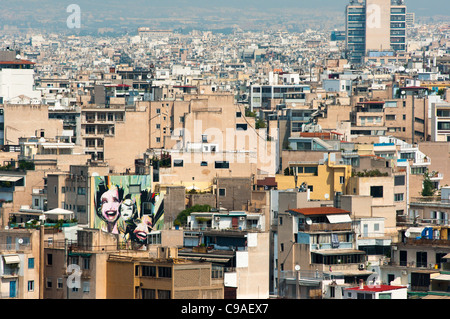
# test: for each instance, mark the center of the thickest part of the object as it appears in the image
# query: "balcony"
(324, 227)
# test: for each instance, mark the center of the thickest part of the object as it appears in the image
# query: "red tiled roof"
(377, 288)
(268, 181)
(319, 211)
(17, 62)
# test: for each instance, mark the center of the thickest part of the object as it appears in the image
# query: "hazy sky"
(420, 7)
(117, 14)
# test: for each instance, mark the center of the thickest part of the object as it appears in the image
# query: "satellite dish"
(18, 57)
(407, 233)
(297, 267)
(327, 196)
(149, 76)
(20, 241)
(308, 221)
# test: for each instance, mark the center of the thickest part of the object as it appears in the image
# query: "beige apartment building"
(377, 196)
(70, 189)
(164, 278)
(28, 120)
(405, 118)
(207, 136)
(20, 276)
(117, 135)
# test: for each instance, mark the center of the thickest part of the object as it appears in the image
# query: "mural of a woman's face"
(127, 209)
(143, 228)
(110, 203)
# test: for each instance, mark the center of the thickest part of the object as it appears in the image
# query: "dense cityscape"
(262, 158)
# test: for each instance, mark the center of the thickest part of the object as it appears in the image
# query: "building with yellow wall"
(323, 180)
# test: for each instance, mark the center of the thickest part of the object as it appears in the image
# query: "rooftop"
(319, 211)
(377, 288)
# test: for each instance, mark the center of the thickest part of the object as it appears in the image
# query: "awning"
(442, 277)
(12, 259)
(10, 178)
(331, 252)
(340, 218)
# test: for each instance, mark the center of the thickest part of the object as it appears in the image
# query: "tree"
(428, 187)
(182, 216)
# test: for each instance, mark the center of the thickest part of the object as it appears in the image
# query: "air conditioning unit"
(361, 266)
(241, 218)
(217, 218)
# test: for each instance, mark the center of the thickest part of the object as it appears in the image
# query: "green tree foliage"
(182, 216)
(428, 188)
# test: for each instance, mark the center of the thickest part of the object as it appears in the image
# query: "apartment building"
(116, 135)
(209, 136)
(440, 125)
(317, 243)
(239, 256)
(268, 96)
(20, 251)
(405, 118)
(324, 179)
(71, 189)
(25, 120)
(162, 278)
(374, 25)
(17, 79)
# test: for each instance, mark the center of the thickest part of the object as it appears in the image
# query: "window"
(30, 285)
(220, 164)
(222, 191)
(421, 259)
(81, 191)
(163, 294)
(399, 180)
(30, 263)
(86, 287)
(203, 163)
(238, 114)
(390, 117)
(177, 163)
(86, 262)
(164, 272)
(60, 284)
(49, 259)
(311, 170)
(148, 271)
(376, 191)
(48, 283)
(398, 197)
(242, 127)
(204, 138)
(148, 293)
(341, 179)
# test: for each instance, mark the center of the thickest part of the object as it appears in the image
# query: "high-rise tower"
(374, 25)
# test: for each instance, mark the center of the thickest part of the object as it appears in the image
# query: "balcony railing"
(316, 227)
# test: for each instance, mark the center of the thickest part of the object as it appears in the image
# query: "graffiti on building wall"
(125, 205)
